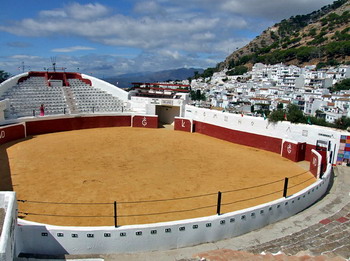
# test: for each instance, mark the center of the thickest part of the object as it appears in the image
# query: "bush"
(197, 95)
(342, 123)
(295, 115)
(238, 70)
(276, 116)
(343, 85)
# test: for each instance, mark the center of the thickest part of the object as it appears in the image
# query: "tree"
(343, 85)
(238, 70)
(342, 123)
(321, 65)
(4, 76)
(295, 115)
(280, 106)
(197, 95)
(276, 115)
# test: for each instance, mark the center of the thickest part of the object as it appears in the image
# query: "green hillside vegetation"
(295, 115)
(340, 86)
(319, 37)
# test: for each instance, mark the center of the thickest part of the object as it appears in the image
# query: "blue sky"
(108, 38)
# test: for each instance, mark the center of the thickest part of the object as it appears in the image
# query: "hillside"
(321, 37)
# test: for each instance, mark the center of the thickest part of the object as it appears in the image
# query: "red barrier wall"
(294, 151)
(183, 125)
(308, 151)
(67, 124)
(301, 151)
(10, 133)
(239, 137)
(290, 151)
(314, 164)
(145, 121)
(324, 160)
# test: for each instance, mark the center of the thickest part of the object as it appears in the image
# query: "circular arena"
(96, 174)
(154, 175)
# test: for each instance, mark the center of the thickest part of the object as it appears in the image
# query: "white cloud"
(203, 36)
(170, 54)
(72, 49)
(228, 46)
(24, 57)
(271, 9)
(143, 32)
(149, 7)
(165, 33)
(85, 12)
(77, 11)
(53, 13)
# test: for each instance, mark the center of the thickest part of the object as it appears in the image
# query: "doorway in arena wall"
(166, 115)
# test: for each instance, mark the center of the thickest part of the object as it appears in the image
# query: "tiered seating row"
(89, 98)
(27, 96)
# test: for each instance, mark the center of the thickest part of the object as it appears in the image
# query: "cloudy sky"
(112, 37)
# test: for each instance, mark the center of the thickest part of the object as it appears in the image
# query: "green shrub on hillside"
(238, 70)
(343, 85)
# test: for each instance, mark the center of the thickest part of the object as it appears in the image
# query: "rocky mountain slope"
(321, 37)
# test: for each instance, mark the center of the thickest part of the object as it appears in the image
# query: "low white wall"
(109, 88)
(38, 238)
(282, 130)
(148, 105)
(4, 104)
(4, 86)
(7, 239)
(318, 163)
(46, 239)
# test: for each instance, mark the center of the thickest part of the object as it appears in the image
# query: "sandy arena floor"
(131, 164)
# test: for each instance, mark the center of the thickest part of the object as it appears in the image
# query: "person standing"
(42, 110)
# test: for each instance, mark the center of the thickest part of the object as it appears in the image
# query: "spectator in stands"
(42, 110)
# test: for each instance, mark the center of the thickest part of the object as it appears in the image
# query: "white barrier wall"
(55, 240)
(148, 105)
(4, 104)
(4, 86)
(257, 125)
(38, 238)
(7, 239)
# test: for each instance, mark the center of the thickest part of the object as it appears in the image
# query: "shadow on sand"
(5, 170)
(162, 125)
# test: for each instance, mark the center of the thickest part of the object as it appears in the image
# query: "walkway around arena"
(323, 229)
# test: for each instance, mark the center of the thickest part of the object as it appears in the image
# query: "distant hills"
(320, 38)
(125, 80)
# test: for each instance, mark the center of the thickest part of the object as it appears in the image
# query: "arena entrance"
(167, 113)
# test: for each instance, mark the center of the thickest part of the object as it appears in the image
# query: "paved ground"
(2, 217)
(323, 229)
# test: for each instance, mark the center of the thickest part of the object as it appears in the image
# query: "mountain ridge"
(125, 80)
(318, 37)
